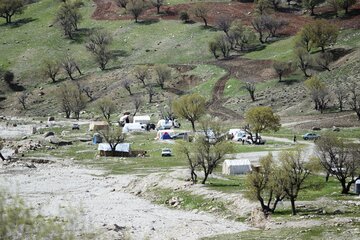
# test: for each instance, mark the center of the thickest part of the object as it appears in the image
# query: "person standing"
(294, 138)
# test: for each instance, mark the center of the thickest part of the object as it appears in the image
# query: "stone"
(51, 119)
(48, 134)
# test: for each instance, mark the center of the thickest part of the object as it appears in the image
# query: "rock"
(316, 128)
(51, 119)
(335, 129)
(118, 228)
(30, 165)
(24, 137)
(48, 134)
(337, 211)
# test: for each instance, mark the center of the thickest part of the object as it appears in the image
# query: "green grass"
(227, 184)
(233, 87)
(209, 74)
(349, 38)
(190, 201)
(27, 45)
(346, 231)
(280, 50)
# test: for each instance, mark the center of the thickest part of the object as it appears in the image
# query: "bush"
(184, 16)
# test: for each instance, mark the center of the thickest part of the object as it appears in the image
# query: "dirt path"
(104, 203)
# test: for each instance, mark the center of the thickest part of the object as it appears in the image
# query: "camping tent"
(134, 127)
(165, 134)
(164, 124)
(237, 166)
(122, 149)
(96, 126)
(141, 119)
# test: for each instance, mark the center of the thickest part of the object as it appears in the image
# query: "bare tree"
(126, 84)
(136, 8)
(201, 11)
(250, 87)
(341, 95)
(137, 101)
(163, 74)
(122, 3)
(302, 60)
(157, 4)
(98, 44)
(150, 91)
(70, 66)
(339, 159)
(324, 60)
(281, 68)
(267, 26)
(22, 99)
(354, 89)
(64, 98)
(263, 7)
(334, 4)
(258, 24)
(87, 90)
(71, 99)
(223, 45)
(68, 18)
(224, 23)
(51, 69)
(275, 4)
(113, 136)
(141, 73)
(77, 101)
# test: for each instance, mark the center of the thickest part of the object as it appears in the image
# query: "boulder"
(48, 134)
(51, 119)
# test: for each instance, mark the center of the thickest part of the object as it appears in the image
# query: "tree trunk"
(8, 20)
(345, 189)
(280, 76)
(206, 174)
(252, 95)
(293, 209)
(2, 157)
(205, 22)
(322, 49)
(312, 11)
(193, 125)
(158, 9)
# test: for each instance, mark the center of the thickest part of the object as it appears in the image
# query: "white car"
(166, 152)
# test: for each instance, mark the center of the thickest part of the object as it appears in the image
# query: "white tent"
(164, 124)
(237, 166)
(101, 125)
(133, 127)
(121, 147)
(141, 119)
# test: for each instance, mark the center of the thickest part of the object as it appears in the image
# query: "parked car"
(75, 126)
(311, 136)
(166, 152)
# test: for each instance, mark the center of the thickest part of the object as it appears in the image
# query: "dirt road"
(104, 203)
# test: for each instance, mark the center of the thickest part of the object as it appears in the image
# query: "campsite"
(177, 119)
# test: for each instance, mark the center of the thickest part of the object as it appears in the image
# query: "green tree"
(106, 107)
(261, 119)
(262, 185)
(9, 8)
(323, 34)
(190, 107)
(339, 159)
(311, 4)
(184, 16)
(292, 173)
(346, 4)
(157, 4)
(263, 7)
(51, 69)
(304, 38)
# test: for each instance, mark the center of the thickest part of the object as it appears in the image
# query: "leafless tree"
(163, 74)
(302, 60)
(258, 24)
(267, 26)
(136, 8)
(150, 91)
(223, 45)
(224, 23)
(324, 60)
(126, 84)
(122, 3)
(141, 73)
(201, 11)
(22, 98)
(70, 66)
(250, 87)
(137, 100)
(341, 95)
(354, 89)
(68, 18)
(157, 4)
(98, 45)
(281, 68)
(51, 69)
(87, 90)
